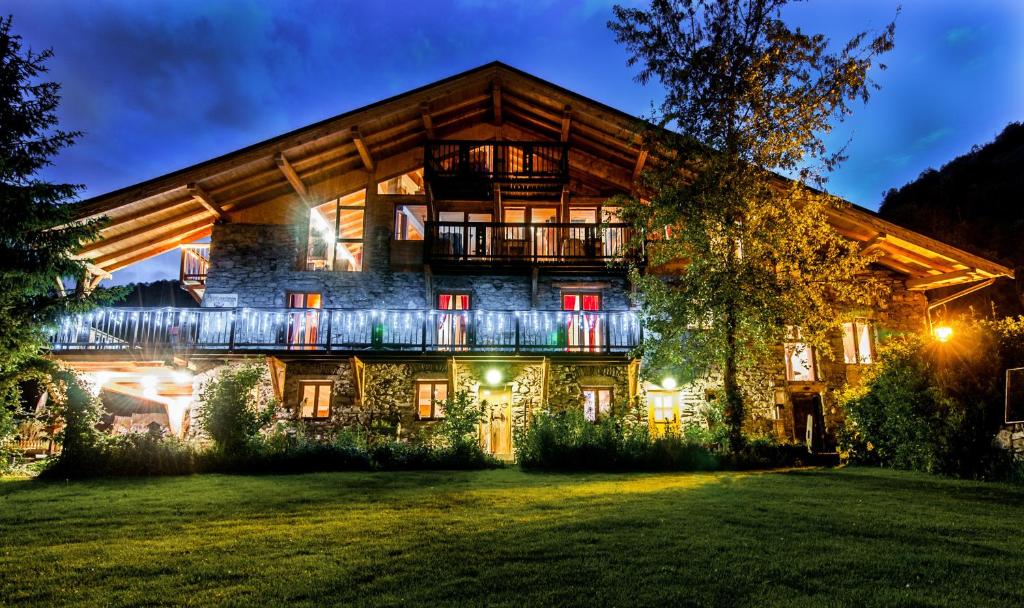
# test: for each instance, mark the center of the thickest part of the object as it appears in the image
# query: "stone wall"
(1011, 437)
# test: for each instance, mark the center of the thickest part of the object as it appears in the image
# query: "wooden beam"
(364, 152)
(933, 281)
(150, 252)
(872, 242)
(566, 122)
(428, 122)
(201, 196)
(175, 236)
(641, 160)
(894, 249)
(961, 293)
(292, 176)
(496, 100)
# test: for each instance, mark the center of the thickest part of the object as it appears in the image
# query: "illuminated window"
(430, 395)
(597, 402)
(858, 342)
(452, 328)
(799, 357)
(662, 407)
(315, 399)
(304, 325)
(410, 222)
(584, 332)
(335, 239)
(410, 183)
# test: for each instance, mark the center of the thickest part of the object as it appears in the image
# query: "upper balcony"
(166, 332)
(472, 170)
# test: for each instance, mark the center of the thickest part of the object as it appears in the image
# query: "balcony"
(182, 331)
(195, 262)
(470, 170)
(567, 246)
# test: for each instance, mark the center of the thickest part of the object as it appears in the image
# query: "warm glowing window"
(584, 332)
(410, 222)
(583, 216)
(430, 396)
(663, 410)
(452, 328)
(410, 183)
(304, 326)
(335, 239)
(597, 402)
(315, 399)
(799, 357)
(858, 342)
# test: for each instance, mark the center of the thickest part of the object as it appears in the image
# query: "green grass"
(850, 537)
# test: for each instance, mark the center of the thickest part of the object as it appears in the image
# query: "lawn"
(798, 538)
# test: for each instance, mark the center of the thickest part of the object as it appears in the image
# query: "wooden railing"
(252, 330)
(540, 244)
(469, 169)
(195, 262)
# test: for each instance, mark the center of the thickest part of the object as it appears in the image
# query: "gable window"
(335, 239)
(584, 331)
(304, 324)
(799, 357)
(410, 222)
(315, 398)
(597, 402)
(452, 328)
(858, 342)
(430, 395)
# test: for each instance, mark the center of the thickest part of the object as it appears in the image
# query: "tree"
(746, 96)
(37, 237)
(233, 407)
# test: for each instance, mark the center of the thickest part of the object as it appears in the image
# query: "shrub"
(79, 411)
(232, 410)
(936, 407)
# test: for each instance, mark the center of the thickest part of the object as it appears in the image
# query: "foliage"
(936, 407)
(973, 202)
(232, 410)
(745, 96)
(78, 411)
(37, 237)
(458, 429)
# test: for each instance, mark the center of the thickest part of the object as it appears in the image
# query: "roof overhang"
(339, 155)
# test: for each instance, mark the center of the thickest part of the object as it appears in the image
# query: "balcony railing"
(538, 244)
(254, 330)
(470, 169)
(195, 262)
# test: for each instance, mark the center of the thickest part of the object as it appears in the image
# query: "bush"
(936, 407)
(79, 411)
(232, 410)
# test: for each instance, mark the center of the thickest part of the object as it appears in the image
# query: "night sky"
(159, 85)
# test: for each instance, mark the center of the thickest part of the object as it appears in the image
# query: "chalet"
(457, 237)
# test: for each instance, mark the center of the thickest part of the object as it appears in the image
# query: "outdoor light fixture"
(943, 333)
(181, 377)
(493, 376)
(668, 383)
(148, 382)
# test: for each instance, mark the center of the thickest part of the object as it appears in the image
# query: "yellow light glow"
(943, 333)
(668, 383)
(493, 376)
(181, 377)
(148, 382)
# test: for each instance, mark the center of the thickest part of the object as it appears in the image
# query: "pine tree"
(37, 235)
(746, 98)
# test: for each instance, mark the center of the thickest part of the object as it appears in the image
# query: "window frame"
(401, 232)
(854, 326)
(597, 401)
(320, 385)
(794, 340)
(580, 293)
(433, 382)
(340, 241)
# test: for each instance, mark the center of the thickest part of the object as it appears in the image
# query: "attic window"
(342, 217)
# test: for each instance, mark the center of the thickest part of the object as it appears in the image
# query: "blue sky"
(158, 85)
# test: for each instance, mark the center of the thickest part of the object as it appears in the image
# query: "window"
(662, 407)
(342, 217)
(597, 402)
(858, 342)
(429, 394)
(799, 357)
(452, 328)
(410, 222)
(304, 325)
(584, 332)
(315, 398)
(410, 183)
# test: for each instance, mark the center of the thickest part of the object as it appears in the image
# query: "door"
(304, 325)
(496, 428)
(809, 421)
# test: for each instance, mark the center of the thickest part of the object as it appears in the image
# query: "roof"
(333, 157)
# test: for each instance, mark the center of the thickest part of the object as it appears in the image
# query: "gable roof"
(331, 158)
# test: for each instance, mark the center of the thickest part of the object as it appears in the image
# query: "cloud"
(960, 35)
(932, 137)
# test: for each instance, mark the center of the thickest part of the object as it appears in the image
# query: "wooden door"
(496, 429)
(809, 421)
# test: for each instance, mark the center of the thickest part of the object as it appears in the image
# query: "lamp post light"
(943, 333)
